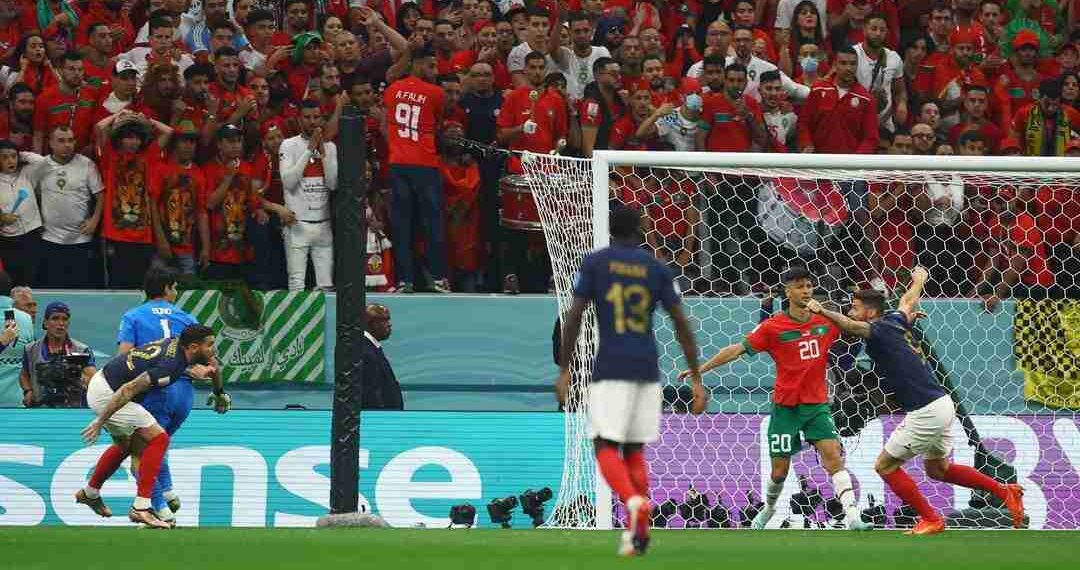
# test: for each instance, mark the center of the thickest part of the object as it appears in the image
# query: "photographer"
(57, 368)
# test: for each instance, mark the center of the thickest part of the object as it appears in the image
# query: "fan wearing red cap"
(1018, 84)
(952, 73)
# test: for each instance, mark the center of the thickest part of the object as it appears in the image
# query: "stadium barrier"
(502, 362)
(244, 469)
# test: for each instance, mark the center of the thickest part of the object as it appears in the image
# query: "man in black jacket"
(381, 390)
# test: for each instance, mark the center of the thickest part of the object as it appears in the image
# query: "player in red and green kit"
(798, 342)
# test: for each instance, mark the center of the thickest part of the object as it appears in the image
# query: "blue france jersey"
(906, 373)
(153, 320)
(163, 360)
(625, 284)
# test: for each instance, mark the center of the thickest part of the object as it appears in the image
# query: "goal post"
(729, 223)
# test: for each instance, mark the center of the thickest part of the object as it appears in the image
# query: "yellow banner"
(1047, 349)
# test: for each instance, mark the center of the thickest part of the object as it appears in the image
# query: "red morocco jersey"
(801, 353)
(414, 109)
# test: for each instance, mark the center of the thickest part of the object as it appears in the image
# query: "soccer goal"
(1001, 332)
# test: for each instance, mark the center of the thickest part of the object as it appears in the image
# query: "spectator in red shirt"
(1016, 86)
(17, 123)
(730, 122)
(175, 189)
(486, 51)
(230, 196)
(128, 155)
(839, 116)
(236, 101)
(1045, 127)
(532, 117)
(414, 112)
(975, 118)
(601, 106)
(461, 181)
(444, 46)
(266, 237)
(97, 57)
(115, 15)
(69, 103)
(33, 65)
(624, 131)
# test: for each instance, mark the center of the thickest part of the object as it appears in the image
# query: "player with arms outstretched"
(114, 394)
(625, 284)
(798, 342)
(930, 411)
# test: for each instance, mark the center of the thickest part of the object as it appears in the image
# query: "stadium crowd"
(157, 132)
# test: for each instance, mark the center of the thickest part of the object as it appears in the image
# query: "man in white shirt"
(69, 185)
(881, 71)
(577, 64)
(543, 38)
(162, 48)
(309, 173)
(743, 39)
(717, 42)
(676, 127)
(125, 82)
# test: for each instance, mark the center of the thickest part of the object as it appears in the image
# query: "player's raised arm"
(909, 303)
(851, 326)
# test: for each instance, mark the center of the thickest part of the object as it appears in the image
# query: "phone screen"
(9, 315)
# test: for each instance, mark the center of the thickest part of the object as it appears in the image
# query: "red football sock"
(971, 478)
(107, 464)
(614, 470)
(638, 470)
(151, 463)
(904, 487)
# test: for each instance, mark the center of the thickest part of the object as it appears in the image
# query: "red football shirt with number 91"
(801, 353)
(414, 109)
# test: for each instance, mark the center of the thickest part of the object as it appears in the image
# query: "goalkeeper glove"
(220, 401)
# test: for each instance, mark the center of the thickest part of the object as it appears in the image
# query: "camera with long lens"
(60, 379)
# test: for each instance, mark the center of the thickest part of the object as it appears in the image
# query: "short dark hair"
(578, 16)
(771, 75)
(259, 15)
(625, 222)
(848, 49)
(221, 23)
(601, 63)
(535, 55)
(443, 22)
(226, 51)
(795, 273)
(310, 104)
(712, 60)
(93, 27)
(157, 279)
(161, 19)
(876, 16)
(72, 55)
(941, 6)
(195, 334)
(969, 136)
(203, 69)
(871, 298)
(736, 67)
(447, 78)
(536, 12)
(18, 89)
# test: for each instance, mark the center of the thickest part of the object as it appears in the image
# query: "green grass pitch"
(272, 549)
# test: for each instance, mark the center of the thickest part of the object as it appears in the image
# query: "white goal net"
(1002, 331)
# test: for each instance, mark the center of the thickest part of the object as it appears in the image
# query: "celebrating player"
(114, 392)
(930, 411)
(625, 284)
(798, 342)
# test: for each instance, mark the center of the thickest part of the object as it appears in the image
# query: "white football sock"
(142, 503)
(91, 493)
(170, 495)
(845, 493)
(772, 493)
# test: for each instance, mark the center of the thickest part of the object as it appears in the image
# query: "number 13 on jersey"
(630, 307)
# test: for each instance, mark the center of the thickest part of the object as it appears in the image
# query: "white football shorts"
(127, 419)
(924, 431)
(624, 411)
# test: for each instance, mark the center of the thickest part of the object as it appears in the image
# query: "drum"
(518, 209)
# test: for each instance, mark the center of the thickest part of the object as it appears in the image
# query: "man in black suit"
(381, 389)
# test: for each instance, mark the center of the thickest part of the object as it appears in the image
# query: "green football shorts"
(789, 425)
